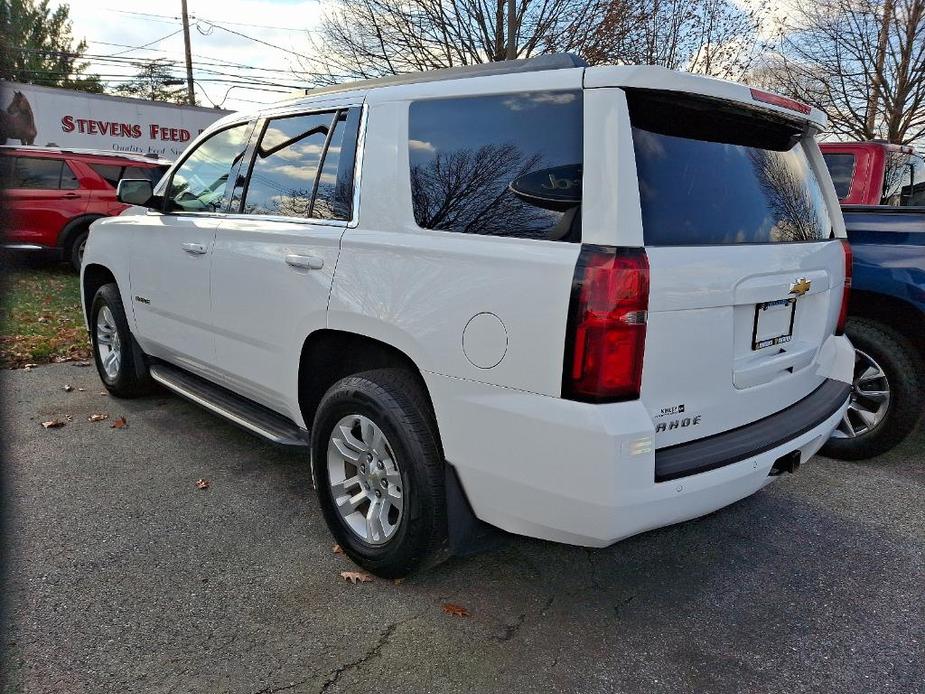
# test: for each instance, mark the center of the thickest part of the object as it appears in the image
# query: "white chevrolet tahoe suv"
(574, 303)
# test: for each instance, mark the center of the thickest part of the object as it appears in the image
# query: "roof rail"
(548, 61)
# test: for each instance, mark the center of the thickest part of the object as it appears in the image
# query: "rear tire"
(119, 360)
(904, 378)
(382, 420)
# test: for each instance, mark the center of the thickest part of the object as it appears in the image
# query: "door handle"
(194, 248)
(306, 262)
(71, 195)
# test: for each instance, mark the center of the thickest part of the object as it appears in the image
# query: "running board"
(241, 411)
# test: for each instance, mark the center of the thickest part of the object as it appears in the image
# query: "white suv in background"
(572, 302)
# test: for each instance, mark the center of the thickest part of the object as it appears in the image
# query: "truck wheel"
(380, 472)
(75, 251)
(119, 360)
(888, 394)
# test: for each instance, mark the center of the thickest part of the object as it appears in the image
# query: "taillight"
(606, 325)
(782, 101)
(846, 292)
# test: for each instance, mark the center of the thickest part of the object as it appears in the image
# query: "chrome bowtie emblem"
(801, 286)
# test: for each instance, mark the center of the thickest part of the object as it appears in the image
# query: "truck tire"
(380, 472)
(119, 360)
(886, 363)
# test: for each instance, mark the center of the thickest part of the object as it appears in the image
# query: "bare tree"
(861, 61)
(371, 38)
(711, 37)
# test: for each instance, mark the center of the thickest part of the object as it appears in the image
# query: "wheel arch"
(93, 277)
(901, 316)
(328, 355)
(74, 227)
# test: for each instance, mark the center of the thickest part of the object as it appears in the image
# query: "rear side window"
(841, 168)
(913, 194)
(303, 167)
(503, 165)
(198, 185)
(712, 173)
(40, 174)
(897, 179)
(152, 173)
(111, 173)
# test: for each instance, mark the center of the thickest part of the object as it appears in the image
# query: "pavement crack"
(272, 689)
(510, 630)
(335, 674)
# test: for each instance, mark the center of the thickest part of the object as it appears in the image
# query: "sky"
(223, 55)
(233, 42)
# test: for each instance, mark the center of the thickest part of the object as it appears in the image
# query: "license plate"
(773, 323)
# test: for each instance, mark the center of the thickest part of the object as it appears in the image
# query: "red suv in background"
(51, 196)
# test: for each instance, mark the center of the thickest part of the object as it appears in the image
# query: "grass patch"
(41, 318)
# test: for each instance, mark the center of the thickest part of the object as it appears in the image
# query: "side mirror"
(133, 191)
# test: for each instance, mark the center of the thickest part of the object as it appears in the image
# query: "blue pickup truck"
(882, 190)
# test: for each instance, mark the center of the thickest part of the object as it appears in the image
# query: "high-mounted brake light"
(607, 318)
(846, 292)
(782, 101)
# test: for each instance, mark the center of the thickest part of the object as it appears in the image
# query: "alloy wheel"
(365, 480)
(870, 398)
(108, 343)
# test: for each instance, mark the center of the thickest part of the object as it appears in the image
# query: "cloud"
(420, 146)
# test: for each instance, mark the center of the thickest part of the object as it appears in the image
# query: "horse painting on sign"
(17, 122)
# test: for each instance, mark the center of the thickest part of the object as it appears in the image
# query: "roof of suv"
(134, 157)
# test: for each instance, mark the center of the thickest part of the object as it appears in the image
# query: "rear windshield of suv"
(711, 173)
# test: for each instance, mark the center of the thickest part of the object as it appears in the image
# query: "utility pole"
(511, 30)
(190, 94)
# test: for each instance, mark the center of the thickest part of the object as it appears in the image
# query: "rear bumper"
(586, 474)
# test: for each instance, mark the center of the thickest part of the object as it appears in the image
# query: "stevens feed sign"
(60, 117)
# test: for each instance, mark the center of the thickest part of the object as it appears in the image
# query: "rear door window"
(502, 165)
(841, 168)
(711, 173)
(303, 166)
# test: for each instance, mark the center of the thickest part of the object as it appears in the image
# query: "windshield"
(711, 180)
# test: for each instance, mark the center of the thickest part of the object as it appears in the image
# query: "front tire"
(380, 472)
(888, 394)
(119, 361)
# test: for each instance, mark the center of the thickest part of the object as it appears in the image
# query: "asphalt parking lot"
(124, 577)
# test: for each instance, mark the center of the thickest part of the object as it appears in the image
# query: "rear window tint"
(501, 165)
(841, 168)
(111, 173)
(713, 174)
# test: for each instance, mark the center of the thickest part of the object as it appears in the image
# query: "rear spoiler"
(661, 79)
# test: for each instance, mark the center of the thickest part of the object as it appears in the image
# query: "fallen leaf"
(354, 576)
(103, 392)
(118, 423)
(455, 610)
(202, 484)
(29, 367)
(43, 319)
(81, 363)
(69, 418)
(398, 581)
(68, 389)
(97, 417)
(81, 390)
(337, 550)
(53, 424)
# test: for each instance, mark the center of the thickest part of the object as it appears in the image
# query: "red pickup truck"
(876, 173)
(51, 196)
